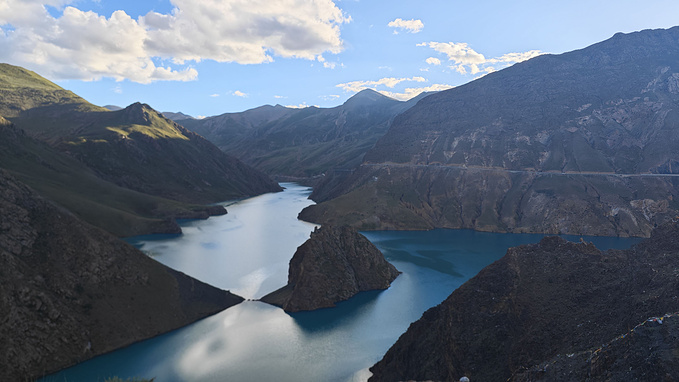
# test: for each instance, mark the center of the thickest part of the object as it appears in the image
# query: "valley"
(520, 224)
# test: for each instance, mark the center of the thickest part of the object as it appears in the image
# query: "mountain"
(544, 302)
(112, 107)
(71, 184)
(558, 144)
(179, 116)
(135, 148)
(71, 291)
(303, 142)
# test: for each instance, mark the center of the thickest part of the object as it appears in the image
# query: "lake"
(247, 251)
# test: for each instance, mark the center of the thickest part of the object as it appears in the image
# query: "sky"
(208, 57)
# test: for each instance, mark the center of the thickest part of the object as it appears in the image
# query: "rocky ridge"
(570, 143)
(71, 291)
(333, 265)
(540, 303)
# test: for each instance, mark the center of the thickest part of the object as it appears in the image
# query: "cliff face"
(539, 302)
(333, 265)
(522, 148)
(70, 291)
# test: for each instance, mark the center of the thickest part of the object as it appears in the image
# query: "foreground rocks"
(333, 265)
(546, 304)
(69, 291)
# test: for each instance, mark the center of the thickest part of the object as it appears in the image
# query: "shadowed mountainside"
(546, 145)
(304, 142)
(71, 291)
(541, 303)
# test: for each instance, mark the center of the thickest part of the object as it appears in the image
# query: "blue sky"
(213, 56)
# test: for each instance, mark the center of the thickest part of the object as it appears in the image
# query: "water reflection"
(248, 251)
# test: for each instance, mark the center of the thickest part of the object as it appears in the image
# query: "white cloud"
(433, 61)
(330, 97)
(300, 106)
(329, 65)
(390, 82)
(412, 26)
(214, 95)
(239, 93)
(279, 97)
(413, 92)
(87, 46)
(467, 60)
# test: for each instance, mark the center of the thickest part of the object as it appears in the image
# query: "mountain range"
(306, 142)
(129, 171)
(581, 143)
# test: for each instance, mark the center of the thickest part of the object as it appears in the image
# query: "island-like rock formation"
(544, 302)
(333, 265)
(70, 291)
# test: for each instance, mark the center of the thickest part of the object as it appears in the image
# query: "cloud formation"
(87, 46)
(412, 26)
(467, 60)
(391, 82)
(239, 93)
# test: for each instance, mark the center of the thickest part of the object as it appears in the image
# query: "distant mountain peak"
(113, 107)
(367, 96)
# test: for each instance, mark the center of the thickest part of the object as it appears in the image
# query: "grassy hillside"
(74, 186)
(135, 148)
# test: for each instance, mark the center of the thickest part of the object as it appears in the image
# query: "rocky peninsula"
(333, 265)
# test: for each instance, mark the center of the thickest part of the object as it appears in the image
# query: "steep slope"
(304, 142)
(135, 147)
(70, 291)
(536, 303)
(555, 144)
(74, 186)
(334, 265)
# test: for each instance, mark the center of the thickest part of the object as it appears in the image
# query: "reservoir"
(247, 252)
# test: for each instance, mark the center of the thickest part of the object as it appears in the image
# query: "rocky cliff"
(70, 291)
(540, 303)
(332, 266)
(582, 142)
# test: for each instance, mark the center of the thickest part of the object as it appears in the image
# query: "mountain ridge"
(541, 146)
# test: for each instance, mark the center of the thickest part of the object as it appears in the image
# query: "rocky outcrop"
(521, 149)
(71, 291)
(538, 303)
(333, 265)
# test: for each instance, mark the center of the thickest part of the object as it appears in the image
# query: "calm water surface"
(247, 251)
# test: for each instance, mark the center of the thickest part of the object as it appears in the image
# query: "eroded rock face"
(69, 291)
(645, 353)
(332, 266)
(539, 302)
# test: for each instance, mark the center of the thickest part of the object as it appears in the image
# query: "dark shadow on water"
(344, 313)
(138, 241)
(429, 259)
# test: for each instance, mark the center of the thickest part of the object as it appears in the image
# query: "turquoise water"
(247, 251)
